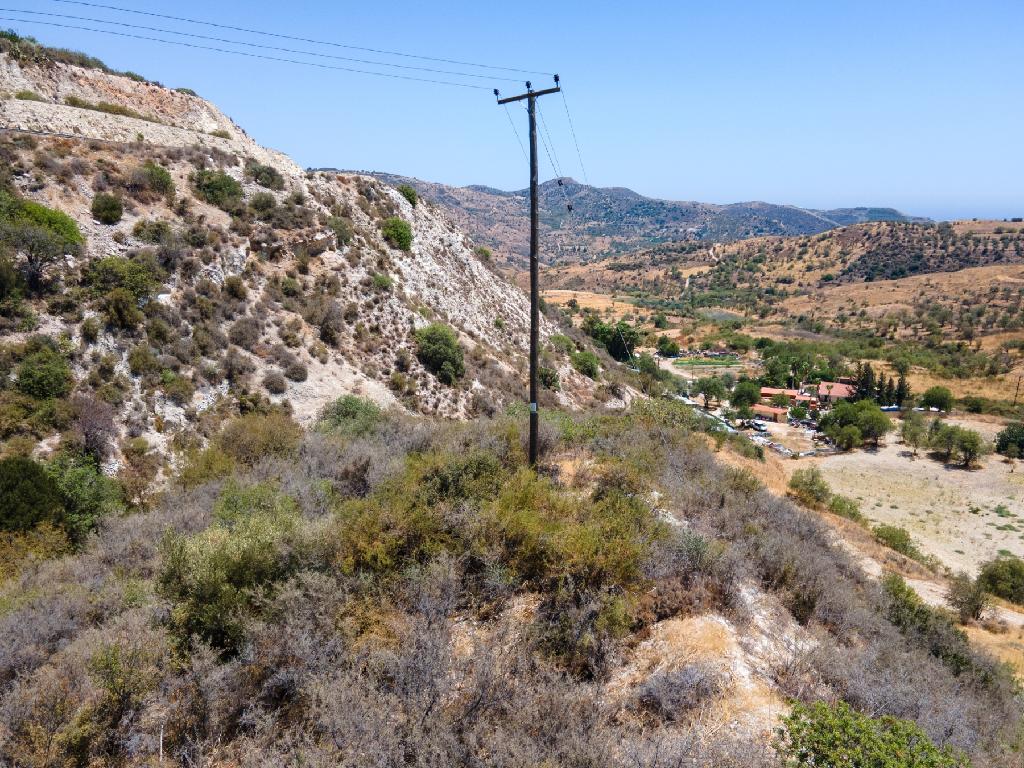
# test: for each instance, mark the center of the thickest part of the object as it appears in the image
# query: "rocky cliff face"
(294, 277)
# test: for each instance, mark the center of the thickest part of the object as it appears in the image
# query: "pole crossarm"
(528, 95)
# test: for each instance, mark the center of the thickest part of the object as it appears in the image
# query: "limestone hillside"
(250, 280)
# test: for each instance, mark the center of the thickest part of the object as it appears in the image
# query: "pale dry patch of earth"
(951, 513)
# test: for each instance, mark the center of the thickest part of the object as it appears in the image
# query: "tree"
(913, 431)
(667, 347)
(938, 397)
(780, 400)
(660, 321)
(848, 438)
(39, 247)
(872, 424)
(970, 445)
(1012, 435)
(903, 393)
(1004, 577)
(437, 347)
(27, 495)
(745, 393)
(710, 388)
(967, 597)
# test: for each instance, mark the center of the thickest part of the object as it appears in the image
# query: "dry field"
(961, 517)
(885, 296)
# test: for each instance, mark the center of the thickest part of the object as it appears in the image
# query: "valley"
(266, 496)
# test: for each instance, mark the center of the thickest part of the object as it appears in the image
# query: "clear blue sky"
(917, 105)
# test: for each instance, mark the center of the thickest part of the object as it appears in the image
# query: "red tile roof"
(836, 390)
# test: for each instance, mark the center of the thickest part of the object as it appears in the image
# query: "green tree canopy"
(437, 347)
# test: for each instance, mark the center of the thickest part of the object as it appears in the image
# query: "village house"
(833, 391)
(770, 413)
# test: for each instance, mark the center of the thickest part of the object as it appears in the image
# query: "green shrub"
(437, 347)
(44, 374)
(262, 203)
(87, 493)
(217, 188)
(152, 231)
(809, 487)
(587, 363)
(845, 507)
(397, 232)
(342, 229)
(265, 175)
(350, 415)
(548, 378)
(106, 208)
(382, 283)
(822, 734)
(409, 194)
(28, 96)
(216, 578)
(898, 539)
(28, 496)
(151, 178)
(253, 436)
(137, 277)
(57, 222)
(121, 310)
(1004, 577)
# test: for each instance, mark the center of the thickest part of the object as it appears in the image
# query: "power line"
(516, 132)
(391, 75)
(575, 141)
(258, 45)
(554, 163)
(300, 39)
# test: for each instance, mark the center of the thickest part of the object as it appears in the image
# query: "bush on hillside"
(150, 181)
(809, 487)
(44, 374)
(438, 349)
(121, 310)
(254, 436)
(107, 208)
(351, 416)
(898, 539)
(217, 188)
(938, 397)
(215, 578)
(587, 363)
(823, 734)
(409, 194)
(397, 232)
(265, 175)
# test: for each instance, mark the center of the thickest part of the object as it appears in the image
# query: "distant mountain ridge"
(612, 220)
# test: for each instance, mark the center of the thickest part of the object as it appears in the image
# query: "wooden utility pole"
(531, 97)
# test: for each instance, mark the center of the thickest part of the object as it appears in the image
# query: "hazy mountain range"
(610, 220)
